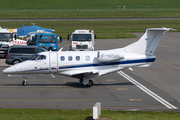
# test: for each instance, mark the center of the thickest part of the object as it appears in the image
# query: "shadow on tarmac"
(69, 84)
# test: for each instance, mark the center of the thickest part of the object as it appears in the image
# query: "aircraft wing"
(87, 72)
(103, 72)
(73, 73)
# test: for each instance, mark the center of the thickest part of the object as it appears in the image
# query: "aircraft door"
(53, 62)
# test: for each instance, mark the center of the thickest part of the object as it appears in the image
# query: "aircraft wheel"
(90, 83)
(24, 82)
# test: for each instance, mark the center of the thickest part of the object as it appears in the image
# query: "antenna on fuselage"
(60, 49)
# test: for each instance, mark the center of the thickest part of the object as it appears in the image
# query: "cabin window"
(62, 58)
(70, 58)
(77, 58)
(87, 58)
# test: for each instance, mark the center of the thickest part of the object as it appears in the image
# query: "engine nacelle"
(106, 56)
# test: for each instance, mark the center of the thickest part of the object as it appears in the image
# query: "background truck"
(42, 39)
(82, 40)
(6, 40)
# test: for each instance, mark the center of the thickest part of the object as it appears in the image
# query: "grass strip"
(90, 13)
(49, 114)
(102, 29)
(88, 8)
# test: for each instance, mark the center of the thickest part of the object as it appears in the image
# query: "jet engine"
(106, 56)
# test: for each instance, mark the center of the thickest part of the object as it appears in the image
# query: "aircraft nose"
(8, 70)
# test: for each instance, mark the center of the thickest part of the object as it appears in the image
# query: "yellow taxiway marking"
(67, 45)
(122, 89)
(111, 80)
(135, 99)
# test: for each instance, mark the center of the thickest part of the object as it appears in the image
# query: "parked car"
(17, 54)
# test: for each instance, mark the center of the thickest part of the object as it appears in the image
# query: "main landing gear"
(86, 81)
(24, 82)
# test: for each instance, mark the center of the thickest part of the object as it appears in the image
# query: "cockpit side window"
(34, 57)
(41, 57)
(38, 57)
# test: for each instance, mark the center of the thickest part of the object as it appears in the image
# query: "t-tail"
(144, 48)
(148, 43)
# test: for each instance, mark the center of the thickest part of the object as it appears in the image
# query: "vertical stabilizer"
(148, 43)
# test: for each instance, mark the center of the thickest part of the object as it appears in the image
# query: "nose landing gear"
(24, 82)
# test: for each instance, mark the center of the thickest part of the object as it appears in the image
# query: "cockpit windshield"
(7, 37)
(81, 37)
(46, 38)
(38, 57)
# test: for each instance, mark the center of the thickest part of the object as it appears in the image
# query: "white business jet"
(86, 64)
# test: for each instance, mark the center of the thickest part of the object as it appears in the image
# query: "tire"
(16, 62)
(90, 84)
(24, 83)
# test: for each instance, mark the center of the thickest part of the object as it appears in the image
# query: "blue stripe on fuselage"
(113, 63)
(99, 64)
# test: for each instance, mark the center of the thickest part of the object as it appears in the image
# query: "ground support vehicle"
(3, 50)
(82, 40)
(46, 40)
(6, 40)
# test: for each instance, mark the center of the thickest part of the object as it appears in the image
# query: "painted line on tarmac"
(135, 99)
(111, 80)
(146, 90)
(122, 89)
(12, 100)
(37, 89)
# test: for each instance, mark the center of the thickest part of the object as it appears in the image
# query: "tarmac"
(152, 89)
